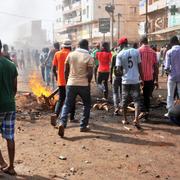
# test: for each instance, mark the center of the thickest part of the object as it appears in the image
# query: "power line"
(31, 18)
(24, 17)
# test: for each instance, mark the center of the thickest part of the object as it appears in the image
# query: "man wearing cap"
(129, 64)
(58, 70)
(78, 73)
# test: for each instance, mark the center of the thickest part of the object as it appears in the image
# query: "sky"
(16, 12)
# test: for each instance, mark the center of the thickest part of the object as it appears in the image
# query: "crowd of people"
(132, 70)
(129, 69)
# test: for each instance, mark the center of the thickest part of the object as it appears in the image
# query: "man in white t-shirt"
(129, 63)
(78, 74)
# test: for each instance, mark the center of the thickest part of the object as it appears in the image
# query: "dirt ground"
(108, 151)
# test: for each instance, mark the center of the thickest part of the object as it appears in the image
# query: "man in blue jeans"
(48, 64)
(78, 74)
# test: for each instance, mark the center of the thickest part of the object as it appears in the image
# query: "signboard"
(104, 25)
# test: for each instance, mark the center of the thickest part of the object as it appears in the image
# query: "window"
(150, 2)
(84, 11)
(87, 11)
(133, 10)
(58, 20)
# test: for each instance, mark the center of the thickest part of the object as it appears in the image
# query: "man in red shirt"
(58, 69)
(149, 66)
(104, 57)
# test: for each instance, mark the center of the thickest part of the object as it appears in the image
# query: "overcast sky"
(37, 9)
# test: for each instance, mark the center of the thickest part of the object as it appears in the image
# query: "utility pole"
(53, 35)
(110, 9)
(112, 19)
(146, 25)
(91, 32)
(119, 15)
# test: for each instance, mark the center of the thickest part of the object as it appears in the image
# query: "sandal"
(3, 166)
(10, 171)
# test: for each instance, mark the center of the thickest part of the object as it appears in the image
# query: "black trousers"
(103, 83)
(147, 92)
(60, 103)
(62, 96)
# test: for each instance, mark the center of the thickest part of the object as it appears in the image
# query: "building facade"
(174, 13)
(31, 35)
(78, 19)
(163, 19)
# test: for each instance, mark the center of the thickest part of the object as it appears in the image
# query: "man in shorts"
(8, 89)
(128, 62)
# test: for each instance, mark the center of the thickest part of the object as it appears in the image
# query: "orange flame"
(37, 86)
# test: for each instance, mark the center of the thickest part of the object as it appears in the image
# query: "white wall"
(87, 10)
(174, 20)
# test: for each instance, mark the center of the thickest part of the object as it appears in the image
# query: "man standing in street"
(8, 89)
(6, 51)
(128, 63)
(150, 71)
(96, 62)
(78, 73)
(42, 59)
(58, 70)
(116, 81)
(172, 67)
(48, 64)
(104, 57)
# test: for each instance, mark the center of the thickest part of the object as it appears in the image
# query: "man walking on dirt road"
(150, 72)
(8, 89)
(58, 70)
(78, 73)
(129, 64)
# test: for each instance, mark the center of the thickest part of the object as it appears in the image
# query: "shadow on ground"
(28, 177)
(117, 135)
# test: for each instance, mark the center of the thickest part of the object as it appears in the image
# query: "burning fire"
(37, 86)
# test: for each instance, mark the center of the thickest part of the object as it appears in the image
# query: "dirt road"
(108, 152)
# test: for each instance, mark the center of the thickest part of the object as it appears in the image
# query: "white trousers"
(171, 86)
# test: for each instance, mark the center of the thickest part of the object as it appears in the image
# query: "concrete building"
(173, 17)
(163, 19)
(77, 19)
(31, 35)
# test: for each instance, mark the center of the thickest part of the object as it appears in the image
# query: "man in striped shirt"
(149, 66)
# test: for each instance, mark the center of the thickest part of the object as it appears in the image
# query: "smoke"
(16, 12)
